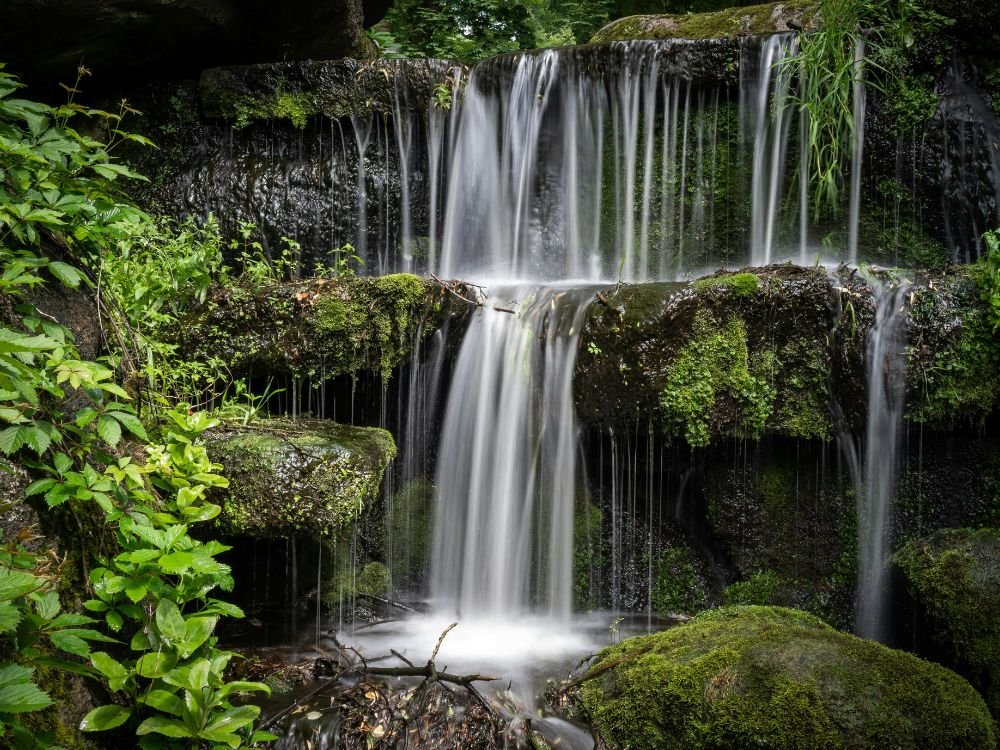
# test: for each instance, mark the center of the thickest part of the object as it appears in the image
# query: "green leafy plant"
(989, 275)
(344, 261)
(65, 418)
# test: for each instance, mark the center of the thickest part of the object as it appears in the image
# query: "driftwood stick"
(434, 654)
(429, 672)
(602, 668)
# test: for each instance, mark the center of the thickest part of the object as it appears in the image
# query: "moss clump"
(738, 284)
(756, 677)
(289, 477)
(953, 368)
(590, 552)
(722, 24)
(803, 410)
(955, 574)
(716, 365)
(297, 107)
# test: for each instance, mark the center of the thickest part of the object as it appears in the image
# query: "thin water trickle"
(875, 478)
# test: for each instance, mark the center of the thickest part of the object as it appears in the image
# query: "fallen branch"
(602, 668)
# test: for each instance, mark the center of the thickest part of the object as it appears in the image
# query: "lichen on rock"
(287, 478)
(751, 677)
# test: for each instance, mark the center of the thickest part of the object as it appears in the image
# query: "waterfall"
(885, 362)
(573, 165)
(507, 469)
(858, 99)
(772, 117)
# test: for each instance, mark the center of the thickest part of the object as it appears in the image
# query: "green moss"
(802, 409)
(738, 284)
(953, 369)
(590, 553)
(914, 102)
(955, 574)
(297, 107)
(762, 677)
(288, 477)
(765, 588)
(730, 22)
(713, 367)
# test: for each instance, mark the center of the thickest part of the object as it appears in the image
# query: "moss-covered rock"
(753, 677)
(296, 91)
(955, 575)
(717, 357)
(731, 22)
(287, 478)
(953, 368)
(318, 329)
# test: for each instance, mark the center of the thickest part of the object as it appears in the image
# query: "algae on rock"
(750, 677)
(288, 478)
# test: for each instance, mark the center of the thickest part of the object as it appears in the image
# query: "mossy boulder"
(317, 329)
(752, 677)
(955, 575)
(716, 357)
(722, 24)
(288, 478)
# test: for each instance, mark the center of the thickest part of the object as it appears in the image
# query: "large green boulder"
(955, 576)
(291, 477)
(765, 677)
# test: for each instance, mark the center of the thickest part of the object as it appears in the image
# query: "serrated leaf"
(70, 643)
(18, 692)
(109, 430)
(10, 616)
(131, 423)
(68, 275)
(170, 621)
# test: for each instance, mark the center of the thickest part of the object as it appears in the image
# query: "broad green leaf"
(170, 621)
(70, 643)
(156, 664)
(68, 275)
(164, 726)
(197, 631)
(234, 718)
(131, 423)
(47, 605)
(165, 701)
(109, 430)
(15, 583)
(105, 717)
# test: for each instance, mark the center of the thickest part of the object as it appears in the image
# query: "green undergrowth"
(754, 677)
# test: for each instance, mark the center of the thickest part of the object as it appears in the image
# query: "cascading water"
(875, 478)
(507, 474)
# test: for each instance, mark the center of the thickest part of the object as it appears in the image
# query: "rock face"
(732, 22)
(780, 351)
(750, 677)
(301, 477)
(47, 39)
(955, 576)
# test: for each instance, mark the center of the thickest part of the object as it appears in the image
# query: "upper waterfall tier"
(643, 160)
